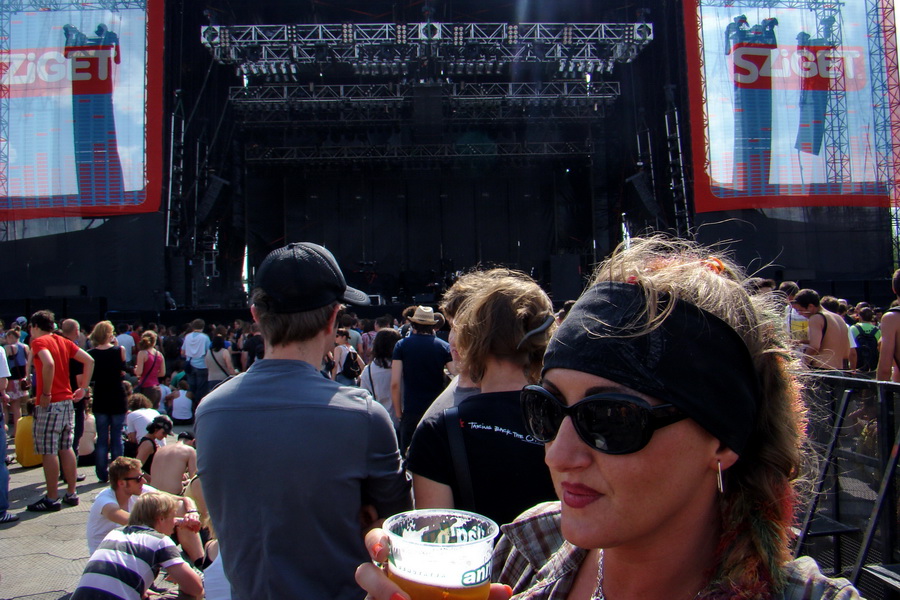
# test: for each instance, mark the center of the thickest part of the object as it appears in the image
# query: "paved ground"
(43, 554)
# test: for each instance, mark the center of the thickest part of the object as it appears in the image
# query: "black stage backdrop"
(119, 264)
(403, 232)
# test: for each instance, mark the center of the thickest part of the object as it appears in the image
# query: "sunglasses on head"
(612, 423)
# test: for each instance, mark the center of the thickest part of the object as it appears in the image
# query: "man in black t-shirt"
(254, 348)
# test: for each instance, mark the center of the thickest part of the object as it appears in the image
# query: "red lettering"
(791, 67)
(57, 71)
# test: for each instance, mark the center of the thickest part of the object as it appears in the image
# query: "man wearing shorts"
(54, 420)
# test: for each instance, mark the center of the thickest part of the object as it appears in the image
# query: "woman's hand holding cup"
(373, 579)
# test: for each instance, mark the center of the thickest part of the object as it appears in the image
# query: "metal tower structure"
(4, 112)
(675, 154)
(837, 137)
(882, 33)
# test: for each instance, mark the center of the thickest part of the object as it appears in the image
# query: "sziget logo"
(477, 576)
(798, 67)
(54, 71)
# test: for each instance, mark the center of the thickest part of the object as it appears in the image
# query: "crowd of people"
(595, 432)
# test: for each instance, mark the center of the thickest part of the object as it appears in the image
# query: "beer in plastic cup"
(441, 554)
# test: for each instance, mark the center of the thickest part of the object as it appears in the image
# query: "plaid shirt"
(539, 564)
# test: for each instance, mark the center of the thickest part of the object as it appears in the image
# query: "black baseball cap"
(304, 276)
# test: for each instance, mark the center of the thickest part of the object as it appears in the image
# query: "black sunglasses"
(138, 478)
(612, 423)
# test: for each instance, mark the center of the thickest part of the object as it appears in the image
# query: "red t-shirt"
(62, 350)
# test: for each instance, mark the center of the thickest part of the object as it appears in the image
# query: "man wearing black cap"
(287, 494)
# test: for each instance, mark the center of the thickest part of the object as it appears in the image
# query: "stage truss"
(432, 77)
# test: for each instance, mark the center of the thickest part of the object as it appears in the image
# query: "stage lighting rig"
(447, 48)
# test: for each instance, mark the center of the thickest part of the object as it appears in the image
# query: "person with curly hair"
(674, 432)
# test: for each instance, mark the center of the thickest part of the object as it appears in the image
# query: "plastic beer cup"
(441, 554)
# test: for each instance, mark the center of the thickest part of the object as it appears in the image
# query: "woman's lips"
(576, 495)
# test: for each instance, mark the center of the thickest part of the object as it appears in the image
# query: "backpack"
(351, 368)
(866, 348)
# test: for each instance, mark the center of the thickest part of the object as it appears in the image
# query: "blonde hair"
(756, 510)
(151, 507)
(148, 340)
(102, 333)
(495, 317)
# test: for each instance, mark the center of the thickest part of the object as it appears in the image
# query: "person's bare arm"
(338, 354)
(161, 371)
(890, 328)
(815, 334)
(145, 449)
(139, 367)
(87, 372)
(396, 377)
(29, 363)
(47, 371)
(115, 513)
(431, 494)
(188, 581)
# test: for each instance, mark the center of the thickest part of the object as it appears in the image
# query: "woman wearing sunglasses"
(673, 435)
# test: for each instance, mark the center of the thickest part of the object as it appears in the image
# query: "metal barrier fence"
(850, 524)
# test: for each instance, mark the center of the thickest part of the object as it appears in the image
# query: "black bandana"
(694, 360)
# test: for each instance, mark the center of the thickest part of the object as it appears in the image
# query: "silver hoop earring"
(719, 478)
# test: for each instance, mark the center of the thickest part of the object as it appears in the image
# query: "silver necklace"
(598, 591)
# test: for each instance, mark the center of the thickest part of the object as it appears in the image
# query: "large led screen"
(788, 106)
(81, 109)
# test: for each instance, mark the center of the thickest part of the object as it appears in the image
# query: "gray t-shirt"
(287, 458)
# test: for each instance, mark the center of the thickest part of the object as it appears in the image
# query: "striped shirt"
(535, 560)
(125, 564)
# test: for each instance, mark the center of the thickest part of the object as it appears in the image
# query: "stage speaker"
(428, 114)
(640, 188)
(210, 198)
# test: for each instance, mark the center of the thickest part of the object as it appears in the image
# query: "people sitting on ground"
(114, 504)
(671, 418)
(141, 413)
(129, 558)
(157, 430)
(174, 464)
(88, 441)
(178, 373)
(164, 391)
(182, 403)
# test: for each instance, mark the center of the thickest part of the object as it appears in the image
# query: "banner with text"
(81, 106)
(788, 106)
